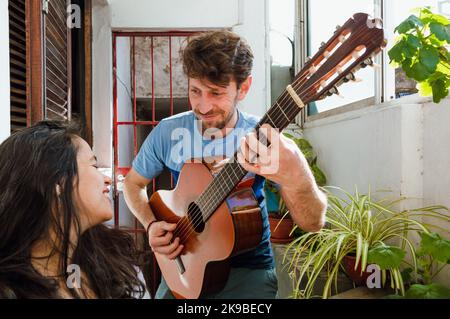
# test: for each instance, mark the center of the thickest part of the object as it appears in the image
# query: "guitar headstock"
(351, 47)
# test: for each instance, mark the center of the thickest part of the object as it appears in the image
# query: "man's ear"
(245, 87)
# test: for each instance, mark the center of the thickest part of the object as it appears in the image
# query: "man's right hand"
(160, 237)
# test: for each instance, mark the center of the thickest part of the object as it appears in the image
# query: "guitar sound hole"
(196, 217)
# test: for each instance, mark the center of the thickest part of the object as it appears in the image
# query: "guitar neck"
(283, 112)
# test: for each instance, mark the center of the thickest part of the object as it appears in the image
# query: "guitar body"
(206, 251)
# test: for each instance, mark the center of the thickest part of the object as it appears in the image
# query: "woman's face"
(92, 192)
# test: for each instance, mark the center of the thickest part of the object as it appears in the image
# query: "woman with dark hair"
(53, 201)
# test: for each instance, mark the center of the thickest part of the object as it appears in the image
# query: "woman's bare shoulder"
(6, 292)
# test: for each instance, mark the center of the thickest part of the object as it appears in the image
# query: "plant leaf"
(412, 44)
(440, 90)
(319, 176)
(410, 23)
(385, 256)
(442, 32)
(429, 17)
(429, 57)
(417, 71)
(406, 274)
(396, 53)
(436, 246)
(431, 291)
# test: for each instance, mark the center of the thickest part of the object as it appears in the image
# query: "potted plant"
(282, 228)
(421, 51)
(359, 232)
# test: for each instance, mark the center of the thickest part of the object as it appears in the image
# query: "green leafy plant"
(361, 226)
(311, 157)
(433, 256)
(421, 51)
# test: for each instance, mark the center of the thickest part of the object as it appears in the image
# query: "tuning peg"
(322, 44)
(351, 77)
(369, 62)
(338, 27)
(335, 91)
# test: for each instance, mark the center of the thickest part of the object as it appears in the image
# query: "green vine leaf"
(431, 291)
(429, 57)
(396, 53)
(385, 256)
(442, 32)
(410, 23)
(440, 90)
(421, 51)
(429, 17)
(436, 246)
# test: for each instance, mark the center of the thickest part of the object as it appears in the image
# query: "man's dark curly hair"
(219, 57)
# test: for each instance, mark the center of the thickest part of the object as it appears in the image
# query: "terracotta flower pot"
(355, 275)
(280, 230)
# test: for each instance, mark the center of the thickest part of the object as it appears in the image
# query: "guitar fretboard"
(283, 111)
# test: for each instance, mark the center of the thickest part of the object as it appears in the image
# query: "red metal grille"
(141, 125)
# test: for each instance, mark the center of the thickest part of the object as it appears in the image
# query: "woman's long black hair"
(32, 162)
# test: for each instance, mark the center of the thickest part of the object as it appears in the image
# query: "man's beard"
(219, 124)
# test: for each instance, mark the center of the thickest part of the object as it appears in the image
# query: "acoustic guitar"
(216, 216)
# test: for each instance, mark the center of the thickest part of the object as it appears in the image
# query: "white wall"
(125, 113)
(4, 74)
(246, 17)
(402, 146)
(178, 14)
(102, 106)
(253, 25)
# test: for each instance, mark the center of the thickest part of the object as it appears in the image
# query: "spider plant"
(362, 226)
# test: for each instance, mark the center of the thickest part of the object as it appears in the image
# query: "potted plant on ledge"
(421, 52)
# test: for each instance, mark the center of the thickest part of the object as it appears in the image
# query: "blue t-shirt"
(177, 139)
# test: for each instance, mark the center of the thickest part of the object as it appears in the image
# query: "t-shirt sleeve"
(149, 161)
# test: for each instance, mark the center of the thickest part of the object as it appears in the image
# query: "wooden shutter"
(18, 64)
(57, 61)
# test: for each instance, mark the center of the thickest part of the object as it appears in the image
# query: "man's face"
(212, 104)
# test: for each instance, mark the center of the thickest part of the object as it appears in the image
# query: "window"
(324, 16)
(281, 33)
(49, 60)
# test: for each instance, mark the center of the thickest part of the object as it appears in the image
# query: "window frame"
(384, 80)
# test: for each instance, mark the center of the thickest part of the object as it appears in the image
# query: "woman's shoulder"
(6, 292)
